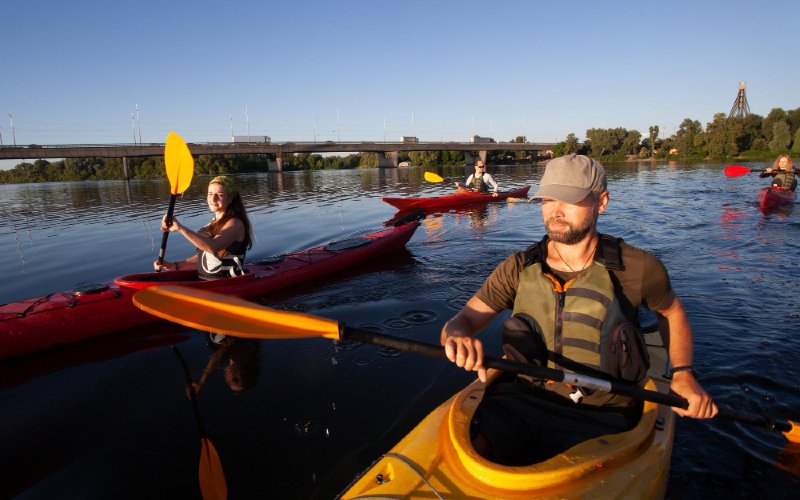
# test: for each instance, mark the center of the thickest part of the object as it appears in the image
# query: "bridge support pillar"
(388, 159)
(125, 175)
(275, 164)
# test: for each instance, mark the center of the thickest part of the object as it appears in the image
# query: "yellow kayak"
(436, 459)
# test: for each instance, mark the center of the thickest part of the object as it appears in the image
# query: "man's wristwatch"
(685, 368)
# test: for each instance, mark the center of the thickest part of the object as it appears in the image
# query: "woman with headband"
(223, 242)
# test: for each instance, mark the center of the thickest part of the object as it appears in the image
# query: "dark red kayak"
(460, 197)
(98, 309)
(772, 198)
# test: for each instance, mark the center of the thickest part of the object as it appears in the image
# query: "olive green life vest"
(784, 179)
(478, 184)
(581, 322)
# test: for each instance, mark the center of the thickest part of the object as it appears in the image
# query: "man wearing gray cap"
(574, 298)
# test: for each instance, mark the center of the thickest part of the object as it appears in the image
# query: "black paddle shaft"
(438, 352)
(165, 236)
(434, 351)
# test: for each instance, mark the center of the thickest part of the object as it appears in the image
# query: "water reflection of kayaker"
(480, 181)
(574, 297)
(782, 173)
(222, 243)
(240, 359)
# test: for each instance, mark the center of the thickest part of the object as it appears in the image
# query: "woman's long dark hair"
(235, 210)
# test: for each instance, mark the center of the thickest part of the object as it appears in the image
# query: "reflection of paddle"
(212, 477)
(205, 310)
(180, 168)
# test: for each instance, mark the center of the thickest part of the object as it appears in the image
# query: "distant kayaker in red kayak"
(223, 242)
(480, 181)
(574, 298)
(782, 172)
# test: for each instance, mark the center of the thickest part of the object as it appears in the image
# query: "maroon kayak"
(771, 198)
(460, 197)
(98, 309)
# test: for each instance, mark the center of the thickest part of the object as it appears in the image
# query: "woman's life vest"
(228, 262)
(784, 179)
(478, 184)
(578, 326)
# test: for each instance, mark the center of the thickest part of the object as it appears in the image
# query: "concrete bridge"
(388, 152)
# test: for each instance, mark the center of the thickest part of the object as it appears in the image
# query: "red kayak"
(771, 198)
(98, 309)
(460, 197)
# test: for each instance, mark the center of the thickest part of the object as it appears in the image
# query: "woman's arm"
(232, 231)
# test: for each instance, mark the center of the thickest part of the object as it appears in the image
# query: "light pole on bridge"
(13, 132)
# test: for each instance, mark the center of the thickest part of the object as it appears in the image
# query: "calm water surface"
(109, 418)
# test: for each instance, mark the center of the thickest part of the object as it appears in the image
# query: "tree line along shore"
(746, 138)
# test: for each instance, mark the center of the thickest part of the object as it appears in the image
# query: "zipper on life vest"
(559, 325)
(560, 294)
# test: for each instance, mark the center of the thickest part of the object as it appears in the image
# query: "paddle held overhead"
(179, 164)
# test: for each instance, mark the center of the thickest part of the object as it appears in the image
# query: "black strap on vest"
(608, 253)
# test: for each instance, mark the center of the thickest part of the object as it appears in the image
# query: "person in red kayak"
(574, 298)
(782, 173)
(480, 181)
(223, 242)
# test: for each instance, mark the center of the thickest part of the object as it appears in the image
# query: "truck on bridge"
(409, 139)
(261, 139)
(481, 140)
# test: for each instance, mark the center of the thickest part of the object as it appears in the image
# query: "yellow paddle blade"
(220, 313)
(431, 177)
(212, 478)
(179, 163)
(793, 434)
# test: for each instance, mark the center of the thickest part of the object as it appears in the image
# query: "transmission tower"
(740, 107)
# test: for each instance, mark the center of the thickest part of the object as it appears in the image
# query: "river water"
(109, 418)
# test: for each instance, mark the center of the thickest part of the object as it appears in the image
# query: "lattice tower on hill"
(740, 107)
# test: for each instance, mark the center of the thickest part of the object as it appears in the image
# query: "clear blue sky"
(72, 72)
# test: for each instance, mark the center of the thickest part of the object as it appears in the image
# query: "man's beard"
(574, 234)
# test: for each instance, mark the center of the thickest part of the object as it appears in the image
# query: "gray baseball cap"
(571, 178)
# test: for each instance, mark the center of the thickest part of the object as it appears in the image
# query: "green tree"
(653, 137)
(781, 138)
(720, 139)
(796, 142)
(768, 125)
(368, 160)
(602, 141)
(685, 136)
(571, 144)
(630, 145)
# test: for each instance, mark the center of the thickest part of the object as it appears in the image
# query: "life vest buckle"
(577, 395)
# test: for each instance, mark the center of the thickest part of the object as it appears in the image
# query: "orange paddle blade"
(220, 313)
(179, 163)
(793, 434)
(212, 477)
